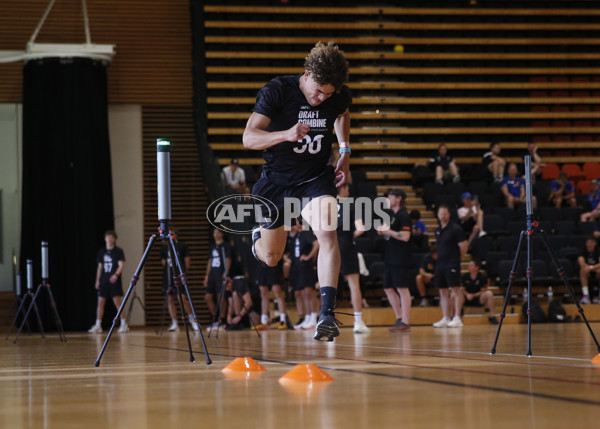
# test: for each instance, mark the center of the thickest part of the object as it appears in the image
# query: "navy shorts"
(110, 290)
(396, 276)
(349, 258)
(303, 275)
(475, 302)
(214, 285)
(269, 276)
(319, 186)
(444, 278)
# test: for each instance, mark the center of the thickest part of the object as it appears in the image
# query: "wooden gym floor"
(429, 378)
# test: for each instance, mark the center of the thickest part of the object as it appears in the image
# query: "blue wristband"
(345, 149)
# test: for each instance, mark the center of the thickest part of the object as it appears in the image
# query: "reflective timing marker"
(163, 178)
(45, 274)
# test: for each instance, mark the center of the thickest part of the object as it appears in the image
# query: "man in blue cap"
(471, 217)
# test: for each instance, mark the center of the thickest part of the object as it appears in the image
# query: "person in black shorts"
(303, 249)
(219, 258)
(270, 277)
(168, 286)
(474, 290)
(292, 123)
(425, 276)
(589, 267)
(451, 246)
(444, 166)
(349, 255)
(111, 261)
(493, 162)
(397, 260)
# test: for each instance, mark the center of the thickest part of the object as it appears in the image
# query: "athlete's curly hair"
(327, 65)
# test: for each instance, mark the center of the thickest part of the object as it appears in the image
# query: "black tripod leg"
(561, 273)
(184, 317)
(59, 326)
(183, 279)
(37, 313)
(248, 312)
(529, 284)
(513, 273)
(220, 304)
(132, 283)
(19, 310)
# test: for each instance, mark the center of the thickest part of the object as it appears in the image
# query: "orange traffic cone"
(305, 373)
(244, 364)
(596, 360)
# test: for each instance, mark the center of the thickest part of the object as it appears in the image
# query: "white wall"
(125, 129)
(10, 184)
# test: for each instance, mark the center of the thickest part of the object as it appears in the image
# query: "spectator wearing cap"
(562, 190)
(444, 166)
(592, 203)
(471, 217)
(234, 178)
(397, 259)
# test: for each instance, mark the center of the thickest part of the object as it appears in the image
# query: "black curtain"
(67, 185)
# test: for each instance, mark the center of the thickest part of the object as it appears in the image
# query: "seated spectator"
(592, 203)
(471, 217)
(425, 277)
(444, 166)
(589, 267)
(513, 188)
(234, 178)
(494, 163)
(562, 190)
(418, 237)
(243, 309)
(474, 290)
(536, 161)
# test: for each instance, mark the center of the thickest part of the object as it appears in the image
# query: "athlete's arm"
(255, 137)
(359, 228)
(342, 131)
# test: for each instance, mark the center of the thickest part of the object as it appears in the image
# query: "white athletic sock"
(357, 316)
(264, 319)
(282, 317)
(98, 322)
(585, 290)
(314, 317)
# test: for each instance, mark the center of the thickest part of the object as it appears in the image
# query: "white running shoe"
(96, 329)
(124, 328)
(173, 326)
(193, 322)
(309, 324)
(455, 323)
(298, 326)
(360, 327)
(442, 323)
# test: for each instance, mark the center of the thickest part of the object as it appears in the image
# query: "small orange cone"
(596, 360)
(306, 373)
(244, 364)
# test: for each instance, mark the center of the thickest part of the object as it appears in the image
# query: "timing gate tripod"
(180, 277)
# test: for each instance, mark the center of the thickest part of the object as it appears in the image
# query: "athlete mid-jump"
(292, 123)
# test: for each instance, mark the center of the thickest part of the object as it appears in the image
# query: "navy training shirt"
(282, 101)
(398, 252)
(447, 242)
